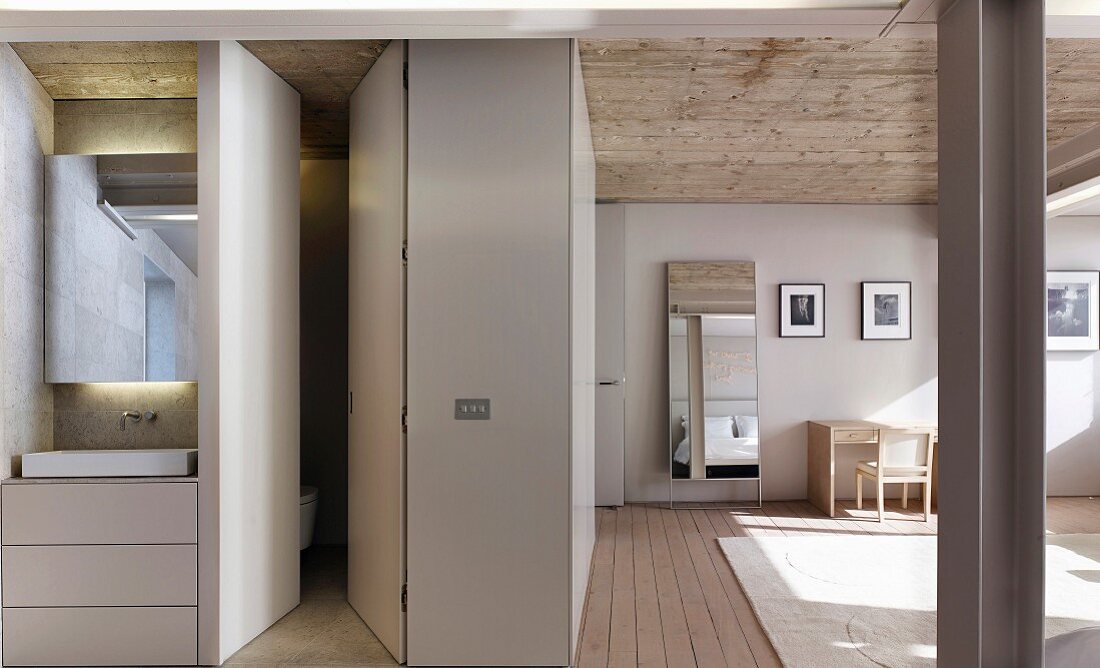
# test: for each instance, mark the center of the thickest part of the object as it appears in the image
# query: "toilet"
(307, 515)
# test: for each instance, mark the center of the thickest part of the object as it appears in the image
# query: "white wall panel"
(489, 502)
(376, 349)
(249, 376)
(583, 347)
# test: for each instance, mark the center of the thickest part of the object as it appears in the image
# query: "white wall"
(249, 402)
(1073, 404)
(583, 347)
(838, 377)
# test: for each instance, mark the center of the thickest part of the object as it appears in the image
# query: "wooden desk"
(822, 439)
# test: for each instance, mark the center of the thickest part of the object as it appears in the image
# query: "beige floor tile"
(291, 634)
(324, 630)
(347, 642)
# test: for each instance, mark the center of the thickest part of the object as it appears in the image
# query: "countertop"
(19, 480)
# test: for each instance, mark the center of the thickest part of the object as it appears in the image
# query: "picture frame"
(802, 310)
(1073, 311)
(886, 310)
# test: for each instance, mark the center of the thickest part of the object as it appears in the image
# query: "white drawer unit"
(99, 514)
(99, 573)
(100, 636)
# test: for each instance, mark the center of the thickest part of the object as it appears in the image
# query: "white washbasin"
(110, 463)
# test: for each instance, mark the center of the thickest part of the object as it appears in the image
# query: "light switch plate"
(471, 409)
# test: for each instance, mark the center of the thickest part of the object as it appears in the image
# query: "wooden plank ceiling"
(701, 120)
(112, 70)
(788, 120)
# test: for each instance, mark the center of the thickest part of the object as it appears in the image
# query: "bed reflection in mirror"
(713, 408)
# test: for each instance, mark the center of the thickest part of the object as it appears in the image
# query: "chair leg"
(859, 491)
(881, 501)
(927, 488)
(904, 495)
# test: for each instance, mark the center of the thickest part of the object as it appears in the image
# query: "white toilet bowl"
(307, 515)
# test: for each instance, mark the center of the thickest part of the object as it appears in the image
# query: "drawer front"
(99, 575)
(853, 435)
(100, 636)
(99, 514)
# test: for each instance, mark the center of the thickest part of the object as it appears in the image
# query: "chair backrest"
(905, 448)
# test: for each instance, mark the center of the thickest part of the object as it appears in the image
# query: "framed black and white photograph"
(802, 310)
(1072, 313)
(887, 310)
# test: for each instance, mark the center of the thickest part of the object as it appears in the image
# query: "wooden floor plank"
(624, 627)
(674, 630)
(650, 641)
(747, 623)
(662, 593)
(596, 635)
(704, 638)
(697, 532)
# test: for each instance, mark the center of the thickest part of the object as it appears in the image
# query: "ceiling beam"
(867, 19)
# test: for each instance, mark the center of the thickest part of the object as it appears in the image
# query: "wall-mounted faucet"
(131, 415)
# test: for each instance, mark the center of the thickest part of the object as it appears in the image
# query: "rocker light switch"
(471, 409)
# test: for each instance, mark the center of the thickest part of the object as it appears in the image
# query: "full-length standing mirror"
(713, 390)
(121, 265)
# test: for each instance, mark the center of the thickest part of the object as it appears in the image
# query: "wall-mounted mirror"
(121, 264)
(713, 371)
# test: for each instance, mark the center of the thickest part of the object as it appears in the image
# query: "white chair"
(904, 456)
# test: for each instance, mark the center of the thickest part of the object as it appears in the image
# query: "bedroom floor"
(662, 593)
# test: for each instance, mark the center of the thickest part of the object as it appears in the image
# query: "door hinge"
(404, 597)
(351, 402)
(405, 75)
(405, 253)
(404, 419)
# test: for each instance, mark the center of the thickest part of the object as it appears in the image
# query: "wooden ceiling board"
(112, 70)
(695, 119)
(763, 120)
(789, 120)
(1073, 87)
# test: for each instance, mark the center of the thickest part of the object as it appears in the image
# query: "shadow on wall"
(1073, 442)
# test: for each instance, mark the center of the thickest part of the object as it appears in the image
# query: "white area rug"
(871, 600)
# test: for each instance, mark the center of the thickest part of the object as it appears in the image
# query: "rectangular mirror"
(713, 372)
(121, 268)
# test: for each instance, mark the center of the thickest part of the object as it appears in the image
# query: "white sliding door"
(249, 375)
(376, 350)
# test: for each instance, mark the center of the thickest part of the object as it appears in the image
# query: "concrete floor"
(323, 630)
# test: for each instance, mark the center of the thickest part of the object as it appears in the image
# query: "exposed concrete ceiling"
(695, 119)
(326, 73)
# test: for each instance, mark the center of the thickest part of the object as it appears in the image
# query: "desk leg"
(821, 469)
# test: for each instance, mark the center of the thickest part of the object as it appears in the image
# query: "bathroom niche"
(121, 264)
